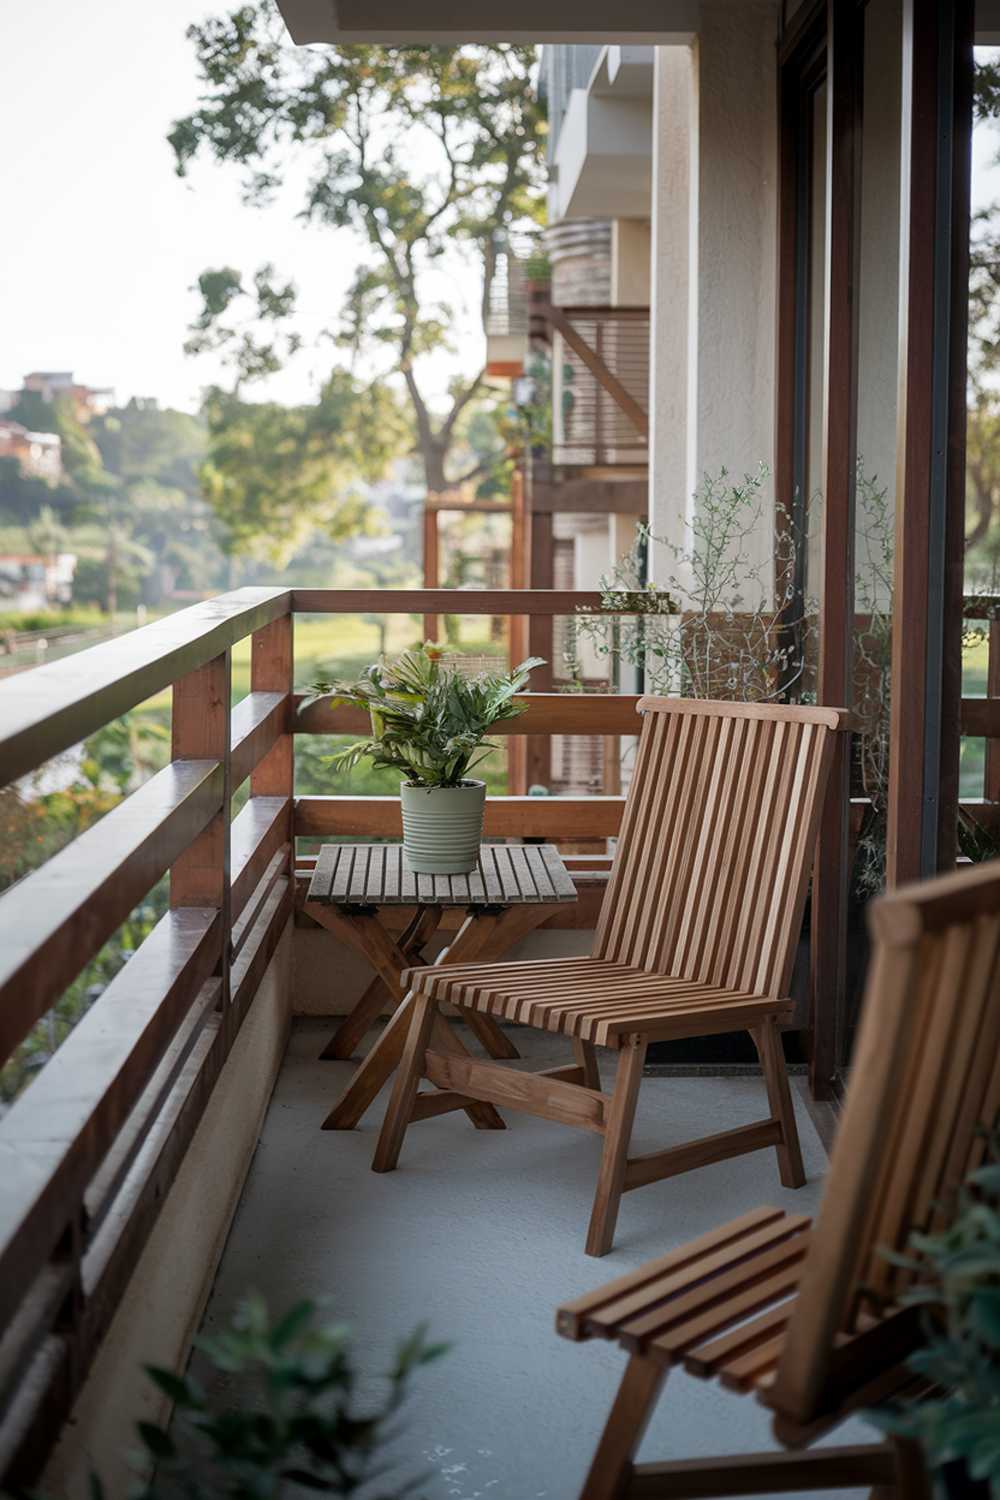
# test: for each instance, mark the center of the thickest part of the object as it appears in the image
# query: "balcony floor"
(480, 1234)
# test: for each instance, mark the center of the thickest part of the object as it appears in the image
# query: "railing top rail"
(48, 709)
(981, 606)
(452, 602)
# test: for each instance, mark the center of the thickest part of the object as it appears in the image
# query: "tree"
(421, 151)
(277, 472)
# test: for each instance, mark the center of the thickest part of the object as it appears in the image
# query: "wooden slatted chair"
(697, 935)
(806, 1316)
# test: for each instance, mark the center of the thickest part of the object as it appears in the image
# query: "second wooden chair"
(697, 935)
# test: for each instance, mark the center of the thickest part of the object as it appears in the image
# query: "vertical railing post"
(432, 563)
(991, 779)
(200, 730)
(541, 638)
(272, 658)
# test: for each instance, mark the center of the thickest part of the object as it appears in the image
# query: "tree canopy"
(277, 472)
(419, 153)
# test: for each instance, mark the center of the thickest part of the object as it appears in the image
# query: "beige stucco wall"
(714, 256)
(163, 1303)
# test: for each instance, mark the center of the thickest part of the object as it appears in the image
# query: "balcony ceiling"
(400, 21)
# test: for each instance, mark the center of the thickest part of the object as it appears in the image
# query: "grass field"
(973, 752)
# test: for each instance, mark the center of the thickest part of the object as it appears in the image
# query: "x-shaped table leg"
(483, 936)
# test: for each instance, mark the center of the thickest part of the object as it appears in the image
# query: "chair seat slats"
(573, 1320)
(589, 999)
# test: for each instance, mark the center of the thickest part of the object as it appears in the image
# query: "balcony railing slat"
(506, 817)
(51, 708)
(258, 831)
(545, 713)
(56, 1134)
(57, 918)
(258, 721)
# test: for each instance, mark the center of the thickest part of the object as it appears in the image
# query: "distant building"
(31, 582)
(88, 401)
(38, 454)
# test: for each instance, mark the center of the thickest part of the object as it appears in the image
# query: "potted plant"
(430, 722)
(957, 1281)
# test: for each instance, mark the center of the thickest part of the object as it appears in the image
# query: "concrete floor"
(480, 1234)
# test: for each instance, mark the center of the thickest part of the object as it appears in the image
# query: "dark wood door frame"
(938, 73)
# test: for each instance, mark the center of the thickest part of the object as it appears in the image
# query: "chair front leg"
(408, 1075)
(617, 1135)
(767, 1040)
(611, 1469)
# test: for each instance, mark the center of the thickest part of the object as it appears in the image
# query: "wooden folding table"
(513, 890)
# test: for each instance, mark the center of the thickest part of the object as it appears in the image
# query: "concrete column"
(673, 347)
(714, 255)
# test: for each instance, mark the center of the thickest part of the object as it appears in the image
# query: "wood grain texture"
(545, 713)
(373, 875)
(45, 711)
(53, 1138)
(567, 818)
(807, 1314)
(697, 931)
(58, 917)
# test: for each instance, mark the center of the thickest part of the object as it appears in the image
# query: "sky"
(101, 243)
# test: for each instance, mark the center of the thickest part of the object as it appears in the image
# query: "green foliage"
(957, 1282)
(80, 455)
(743, 631)
(22, 496)
(361, 123)
(298, 1424)
(50, 619)
(276, 473)
(429, 722)
(297, 1421)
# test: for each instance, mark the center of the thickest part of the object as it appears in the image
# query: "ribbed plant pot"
(442, 827)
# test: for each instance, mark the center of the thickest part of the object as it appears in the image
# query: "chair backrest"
(925, 1078)
(717, 838)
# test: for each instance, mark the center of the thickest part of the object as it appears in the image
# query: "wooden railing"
(89, 1150)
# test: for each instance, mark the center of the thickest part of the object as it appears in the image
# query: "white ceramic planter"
(442, 827)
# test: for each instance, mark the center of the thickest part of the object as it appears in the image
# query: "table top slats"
(341, 881)
(477, 886)
(543, 880)
(377, 875)
(491, 878)
(359, 875)
(407, 880)
(523, 874)
(322, 879)
(562, 880)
